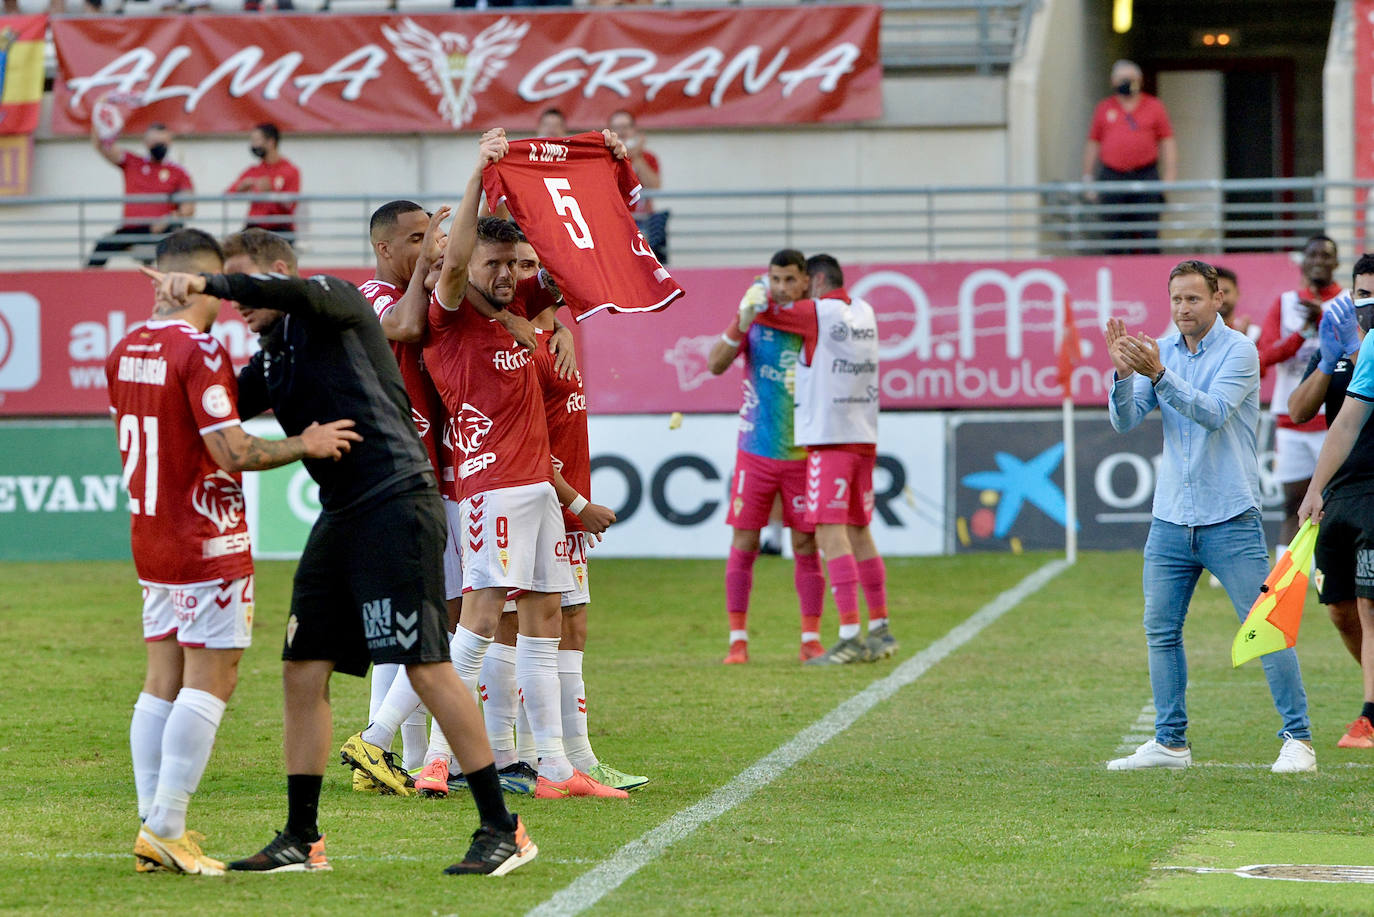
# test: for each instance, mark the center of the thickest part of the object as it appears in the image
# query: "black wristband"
(1155, 380)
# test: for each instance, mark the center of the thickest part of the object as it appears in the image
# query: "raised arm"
(462, 236)
(405, 320)
(1132, 396)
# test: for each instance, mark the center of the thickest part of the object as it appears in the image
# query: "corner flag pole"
(1070, 352)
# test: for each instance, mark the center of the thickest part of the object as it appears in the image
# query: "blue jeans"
(1175, 556)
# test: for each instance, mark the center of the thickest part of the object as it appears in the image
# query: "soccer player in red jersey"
(173, 395)
(565, 412)
(836, 419)
(768, 462)
(513, 534)
(273, 172)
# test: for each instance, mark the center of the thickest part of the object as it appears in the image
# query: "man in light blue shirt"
(1205, 382)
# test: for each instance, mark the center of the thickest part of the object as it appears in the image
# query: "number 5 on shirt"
(567, 206)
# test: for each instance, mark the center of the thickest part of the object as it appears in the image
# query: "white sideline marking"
(612, 872)
(1142, 731)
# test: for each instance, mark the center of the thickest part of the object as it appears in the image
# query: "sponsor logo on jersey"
(470, 428)
(475, 464)
(511, 360)
(452, 66)
(421, 422)
(576, 402)
(844, 367)
(225, 545)
(839, 332)
(219, 499)
(144, 370)
(216, 401)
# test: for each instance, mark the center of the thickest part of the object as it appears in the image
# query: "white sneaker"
(1295, 757)
(1152, 754)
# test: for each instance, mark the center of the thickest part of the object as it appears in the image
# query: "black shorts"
(370, 586)
(1345, 549)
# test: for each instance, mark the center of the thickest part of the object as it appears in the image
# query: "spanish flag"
(1273, 621)
(21, 72)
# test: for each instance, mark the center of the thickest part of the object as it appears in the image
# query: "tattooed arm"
(234, 450)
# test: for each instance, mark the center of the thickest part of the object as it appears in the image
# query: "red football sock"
(844, 586)
(810, 582)
(739, 582)
(873, 579)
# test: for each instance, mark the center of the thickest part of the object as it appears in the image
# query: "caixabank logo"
(19, 350)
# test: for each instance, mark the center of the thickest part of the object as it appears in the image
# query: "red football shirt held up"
(571, 198)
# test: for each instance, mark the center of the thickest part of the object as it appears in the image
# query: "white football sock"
(401, 701)
(500, 702)
(187, 741)
(809, 636)
(414, 739)
(524, 739)
(536, 674)
(145, 742)
(573, 696)
(439, 747)
(849, 631)
(383, 674)
(467, 651)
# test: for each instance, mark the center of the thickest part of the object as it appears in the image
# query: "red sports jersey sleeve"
(170, 385)
(565, 412)
(425, 407)
(489, 388)
(569, 197)
(797, 317)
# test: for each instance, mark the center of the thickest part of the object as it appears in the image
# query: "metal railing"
(865, 224)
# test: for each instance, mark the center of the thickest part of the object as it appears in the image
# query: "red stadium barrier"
(442, 72)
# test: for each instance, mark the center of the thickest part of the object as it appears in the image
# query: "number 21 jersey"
(170, 385)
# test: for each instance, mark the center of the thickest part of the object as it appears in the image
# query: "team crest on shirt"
(470, 428)
(219, 499)
(504, 556)
(453, 67)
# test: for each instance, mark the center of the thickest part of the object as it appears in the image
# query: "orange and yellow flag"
(1273, 621)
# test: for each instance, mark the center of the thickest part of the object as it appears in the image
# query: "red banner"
(445, 72)
(953, 335)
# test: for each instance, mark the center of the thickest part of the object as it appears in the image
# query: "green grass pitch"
(979, 788)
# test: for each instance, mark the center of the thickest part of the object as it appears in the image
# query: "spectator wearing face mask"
(1131, 139)
(272, 172)
(146, 221)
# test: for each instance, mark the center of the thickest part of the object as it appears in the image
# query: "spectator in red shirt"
(1131, 139)
(653, 225)
(145, 222)
(274, 173)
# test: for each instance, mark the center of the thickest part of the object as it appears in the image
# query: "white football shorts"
(453, 550)
(581, 592)
(217, 615)
(513, 537)
(1295, 454)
